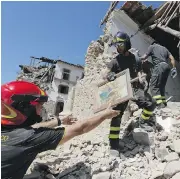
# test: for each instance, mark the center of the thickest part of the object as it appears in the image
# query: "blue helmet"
(122, 37)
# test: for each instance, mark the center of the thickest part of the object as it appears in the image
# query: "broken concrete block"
(161, 166)
(137, 113)
(133, 107)
(156, 174)
(161, 153)
(104, 175)
(141, 136)
(165, 123)
(171, 157)
(171, 169)
(166, 112)
(162, 136)
(176, 144)
(114, 153)
(135, 150)
(176, 176)
(175, 121)
(131, 145)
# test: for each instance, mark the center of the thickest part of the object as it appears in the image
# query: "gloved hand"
(173, 72)
(146, 87)
(142, 78)
(111, 76)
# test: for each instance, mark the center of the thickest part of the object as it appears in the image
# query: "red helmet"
(10, 116)
(21, 96)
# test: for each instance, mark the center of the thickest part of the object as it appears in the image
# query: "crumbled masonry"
(88, 156)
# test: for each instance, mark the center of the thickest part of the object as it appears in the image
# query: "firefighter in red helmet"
(26, 98)
(23, 137)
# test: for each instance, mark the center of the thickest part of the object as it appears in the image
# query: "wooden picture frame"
(114, 92)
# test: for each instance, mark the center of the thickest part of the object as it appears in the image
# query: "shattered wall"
(99, 53)
(39, 75)
(96, 59)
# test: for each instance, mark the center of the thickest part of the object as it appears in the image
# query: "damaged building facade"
(66, 76)
(143, 24)
(56, 77)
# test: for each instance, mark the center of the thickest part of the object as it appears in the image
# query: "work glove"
(111, 76)
(146, 87)
(173, 72)
(142, 77)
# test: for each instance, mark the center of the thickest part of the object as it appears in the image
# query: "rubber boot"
(147, 125)
(162, 105)
(114, 147)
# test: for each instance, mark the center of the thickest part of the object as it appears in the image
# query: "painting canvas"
(114, 92)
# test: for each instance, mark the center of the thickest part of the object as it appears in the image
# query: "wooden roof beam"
(166, 29)
(178, 6)
(157, 15)
(111, 8)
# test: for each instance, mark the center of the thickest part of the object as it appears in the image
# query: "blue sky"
(50, 29)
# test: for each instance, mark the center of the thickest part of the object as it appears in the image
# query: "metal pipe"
(169, 98)
(166, 29)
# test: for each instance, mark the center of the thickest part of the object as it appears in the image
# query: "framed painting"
(114, 92)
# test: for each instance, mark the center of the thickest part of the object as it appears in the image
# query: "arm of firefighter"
(172, 60)
(49, 124)
(86, 125)
(140, 77)
(147, 54)
(66, 120)
(104, 73)
(111, 66)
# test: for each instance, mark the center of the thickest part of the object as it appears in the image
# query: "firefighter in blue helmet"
(124, 60)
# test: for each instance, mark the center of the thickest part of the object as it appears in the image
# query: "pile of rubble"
(88, 156)
(38, 75)
(85, 90)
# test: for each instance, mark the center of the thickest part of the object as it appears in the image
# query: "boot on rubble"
(148, 125)
(116, 146)
(161, 106)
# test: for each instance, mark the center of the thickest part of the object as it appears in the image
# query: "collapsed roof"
(162, 24)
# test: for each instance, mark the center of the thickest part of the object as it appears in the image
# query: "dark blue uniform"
(144, 101)
(19, 147)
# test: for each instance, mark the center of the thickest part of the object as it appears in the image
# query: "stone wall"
(97, 56)
(96, 59)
